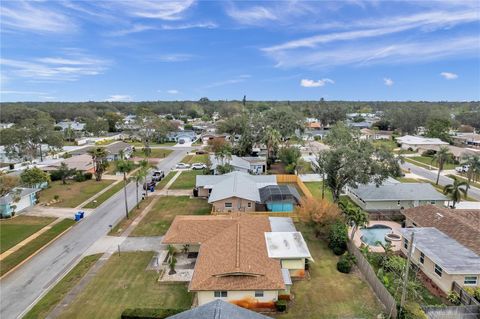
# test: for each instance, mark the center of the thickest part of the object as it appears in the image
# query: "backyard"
(124, 283)
(316, 190)
(73, 193)
(158, 220)
(186, 180)
(16, 229)
(329, 293)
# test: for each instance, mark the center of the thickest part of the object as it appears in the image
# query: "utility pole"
(405, 278)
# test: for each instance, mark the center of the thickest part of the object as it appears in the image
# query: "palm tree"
(100, 163)
(139, 177)
(355, 217)
(442, 157)
(271, 139)
(456, 190)
(473, 162)
(64, 172)
(124, 166)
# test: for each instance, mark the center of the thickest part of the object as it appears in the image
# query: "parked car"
(201, 152)
(462, 169)
(159, 174)
(182, 165)
(198, 166)
(149, 184)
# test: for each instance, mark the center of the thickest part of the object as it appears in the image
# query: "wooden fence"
(380, 291)
(465, 298)
(284, 178)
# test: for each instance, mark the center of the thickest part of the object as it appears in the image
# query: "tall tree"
(31, 177)
(64, 172)
(7, 183)
(113, 119)
(272, 140)
(473, 162)
(456, 190)
(100, 162)
(354, 216)
(140, 176)
(124, 167)
(97, 126)
(442, 156)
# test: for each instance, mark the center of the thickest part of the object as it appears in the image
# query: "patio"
(395, 229)
(183, 268)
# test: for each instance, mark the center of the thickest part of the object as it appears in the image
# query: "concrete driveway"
(58, 212)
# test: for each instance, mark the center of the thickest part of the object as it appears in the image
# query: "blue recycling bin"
(77, 217)
(82, 214)
(152, 189)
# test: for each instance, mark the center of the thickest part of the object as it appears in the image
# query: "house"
(463, 225)
(116, 149)
(185, 136)
(394, 196)
(74, 125)
(233, 262)
(458, 153)
(208, 137)
(242, 192)
(18, 200)
(369, 134)
(218, 309)
(82, 163)
(410, 142)
(441, 258)
(252, 165)
(467, 140)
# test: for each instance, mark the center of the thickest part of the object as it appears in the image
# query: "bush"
(55, 176)
(88, 176)
(411, 310)
(337, 237)
(149, 313)
(79, 177)
(281, 305)
(428, 153)
(454, 298)
(345, 263)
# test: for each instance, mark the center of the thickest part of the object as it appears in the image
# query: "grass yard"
(73, 193)
(329, 293)
(165, 180)
(54, 296)
(140, 144)
(388, 144)
(124, 283)
(428, 162)
(186, 180)
(17, 257)
(124, 223)
(474, 184)
(156, 153)
(102, 198)
(200, 158)
(14, 230)
(158, 220)
(316, 190)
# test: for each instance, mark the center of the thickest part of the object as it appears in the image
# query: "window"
(432, 202)
(398, 203)
(470, 280)
(258, 293)
(438, 270)
(405, 243)
(422, 258)
(220, 294)
(249, 204)
(228, 205)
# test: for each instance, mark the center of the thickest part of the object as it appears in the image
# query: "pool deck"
(378, 249)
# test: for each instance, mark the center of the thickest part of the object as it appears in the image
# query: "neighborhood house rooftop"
(398, 191)
(444, 251)
(286, 245)
(419, 140)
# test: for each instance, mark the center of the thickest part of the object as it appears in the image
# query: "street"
(20, 290)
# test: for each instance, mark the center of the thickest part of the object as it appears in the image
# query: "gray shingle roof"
(219, 309)
(446, 252)
(116, 147)
(400, 191)
(24, 192)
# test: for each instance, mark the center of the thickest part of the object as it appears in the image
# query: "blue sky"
(289, 50)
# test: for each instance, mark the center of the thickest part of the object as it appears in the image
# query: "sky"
(272, 50)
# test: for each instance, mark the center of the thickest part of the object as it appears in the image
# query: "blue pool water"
(280, 207)
(372, 234)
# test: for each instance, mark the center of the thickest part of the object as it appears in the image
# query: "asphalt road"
(20, 290)
(432, 175)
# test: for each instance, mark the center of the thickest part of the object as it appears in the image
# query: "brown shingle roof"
(460, 224)
(233, 254)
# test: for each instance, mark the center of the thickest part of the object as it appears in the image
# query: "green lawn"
(474, 184)
(15, 258)
(428, 162)
(165, 180)
(124, 223)
(186, 180)
(140, 144)
(329, 293)
(102, 198)
(158, 220)
(14, 230)
(316, 190)
(156, 153)
(54, 296)
(73, 193)
(388, 144)
(200, 158)
(124, 283)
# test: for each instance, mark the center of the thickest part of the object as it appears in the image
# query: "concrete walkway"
(28, 239)
(58, 212)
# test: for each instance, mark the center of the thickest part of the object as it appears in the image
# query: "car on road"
(182, 166)
(199, 166)
(158, 175)
(149, 185)
(462, 169)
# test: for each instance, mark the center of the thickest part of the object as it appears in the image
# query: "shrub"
(337, 237)
(339, 250)
(345, 263)
(453, 297)
(412, 310)
(88, 176)
(79, 177)
(428, 153)
(149, 313)
(55, 176)
(56, 197)
(281, 305)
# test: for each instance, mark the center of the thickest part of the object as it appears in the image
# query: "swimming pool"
(371, 235)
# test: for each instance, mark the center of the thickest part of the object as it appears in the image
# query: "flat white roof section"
(286, 245)
(282, 224)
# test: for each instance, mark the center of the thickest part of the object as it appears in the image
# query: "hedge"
(149, 313)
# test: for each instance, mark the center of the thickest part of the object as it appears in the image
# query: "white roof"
(282, 224)
(235, 161)
(420, 140)
(286, 245)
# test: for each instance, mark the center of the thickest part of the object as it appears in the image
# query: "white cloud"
(22, 92)
(251, 15)
(164, 10)
(175, 57)
(34, 17)
(388, 81)
(237, 79)
(173, 91)
(449, 75)
(119, 98)
(312, 83)
(200, 25)
(133, 29)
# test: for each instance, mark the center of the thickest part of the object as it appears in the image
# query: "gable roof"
(81, 162)
(444, 251)
(232, 255)
(397, 191)
(116, 147)
(420, 140)
(7, 199)
(219, 309)
(461, 224)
